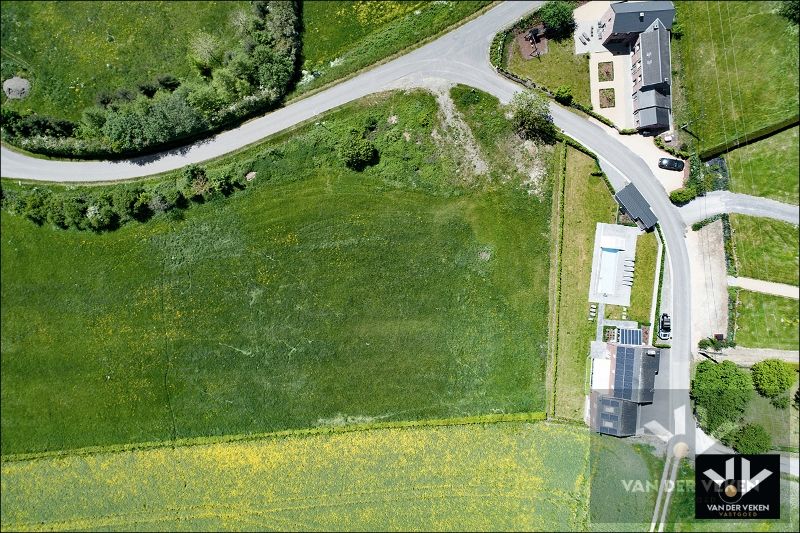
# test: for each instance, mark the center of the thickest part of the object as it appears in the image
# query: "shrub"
(357, 152)
(165, 196)
(563, 94)
(148, 88)
(168, 82)
(557, 17)
(75, 211)
(125, 198)
(530, 116)
(780, 402)
(750, 439)
(790, 9)
(35, 205)
(772, 377)
(55, 211)
(721, 393)
(683, 195)
(99, 213)
(194, 183)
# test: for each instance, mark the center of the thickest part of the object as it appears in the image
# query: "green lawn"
(768, 167)
(587, 201)
(559, 66)
(614, 462)
(781, 424)
(340, 38)
(766, 321)
(766, 249)
(642, 290)
(317, 295)
(720, 80)
(74, 50)
(681, 510)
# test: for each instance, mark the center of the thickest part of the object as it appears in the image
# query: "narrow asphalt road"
(718, 202)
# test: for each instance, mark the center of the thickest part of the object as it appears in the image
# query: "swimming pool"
(607, 280)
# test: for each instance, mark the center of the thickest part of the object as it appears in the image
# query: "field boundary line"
(556, 229)
(531, 416)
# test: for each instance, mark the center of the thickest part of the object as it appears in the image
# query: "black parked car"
(665, 327)
(670, 164)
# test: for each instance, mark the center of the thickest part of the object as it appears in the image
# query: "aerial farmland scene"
(385, 265)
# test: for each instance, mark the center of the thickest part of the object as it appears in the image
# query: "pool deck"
(611, 237)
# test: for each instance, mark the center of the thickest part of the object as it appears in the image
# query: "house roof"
(635, 205)
(651, 97)
(654, 43)
(627, 19)
(653, 118)
(635, 373)
(613, 416)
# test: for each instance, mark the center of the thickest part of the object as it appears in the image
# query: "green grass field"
(766, 321)
(587, 201)
(681, 511)
(721, 66)
(507, 476)
(768, 167)
(340, 38)
(766, 249)
(318, 296)
(73, 50)
(781, 424)
(559, 66)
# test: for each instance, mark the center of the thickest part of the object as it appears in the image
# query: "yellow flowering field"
(528, 476)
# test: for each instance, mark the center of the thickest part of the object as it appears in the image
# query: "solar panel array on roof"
(615, 417)
(623, 375)
(630, 336)
(636, 206)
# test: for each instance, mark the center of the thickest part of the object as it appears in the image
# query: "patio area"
(621, 114)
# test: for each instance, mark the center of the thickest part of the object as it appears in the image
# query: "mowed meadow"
(318, 296)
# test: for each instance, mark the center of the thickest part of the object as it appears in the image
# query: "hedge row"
(108, 208)
(163, 112)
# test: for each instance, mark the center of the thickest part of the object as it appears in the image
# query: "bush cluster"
(716, 344)
(558, 18)
(236, 83)
(772, 379)
(108, 208)
(721, 393)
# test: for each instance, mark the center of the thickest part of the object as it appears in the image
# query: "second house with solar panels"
(623, 361)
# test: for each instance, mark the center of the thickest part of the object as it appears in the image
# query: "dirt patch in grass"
(607, 98)
(605, 71)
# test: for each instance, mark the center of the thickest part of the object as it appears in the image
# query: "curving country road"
(460, 56)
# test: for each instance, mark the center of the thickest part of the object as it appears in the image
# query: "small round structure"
(16, 88)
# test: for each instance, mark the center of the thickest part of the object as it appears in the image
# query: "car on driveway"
(665, 327)
(670, 164)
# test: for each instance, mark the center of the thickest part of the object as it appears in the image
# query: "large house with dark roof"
(642, 29)
(631, 382)
(624, 21)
